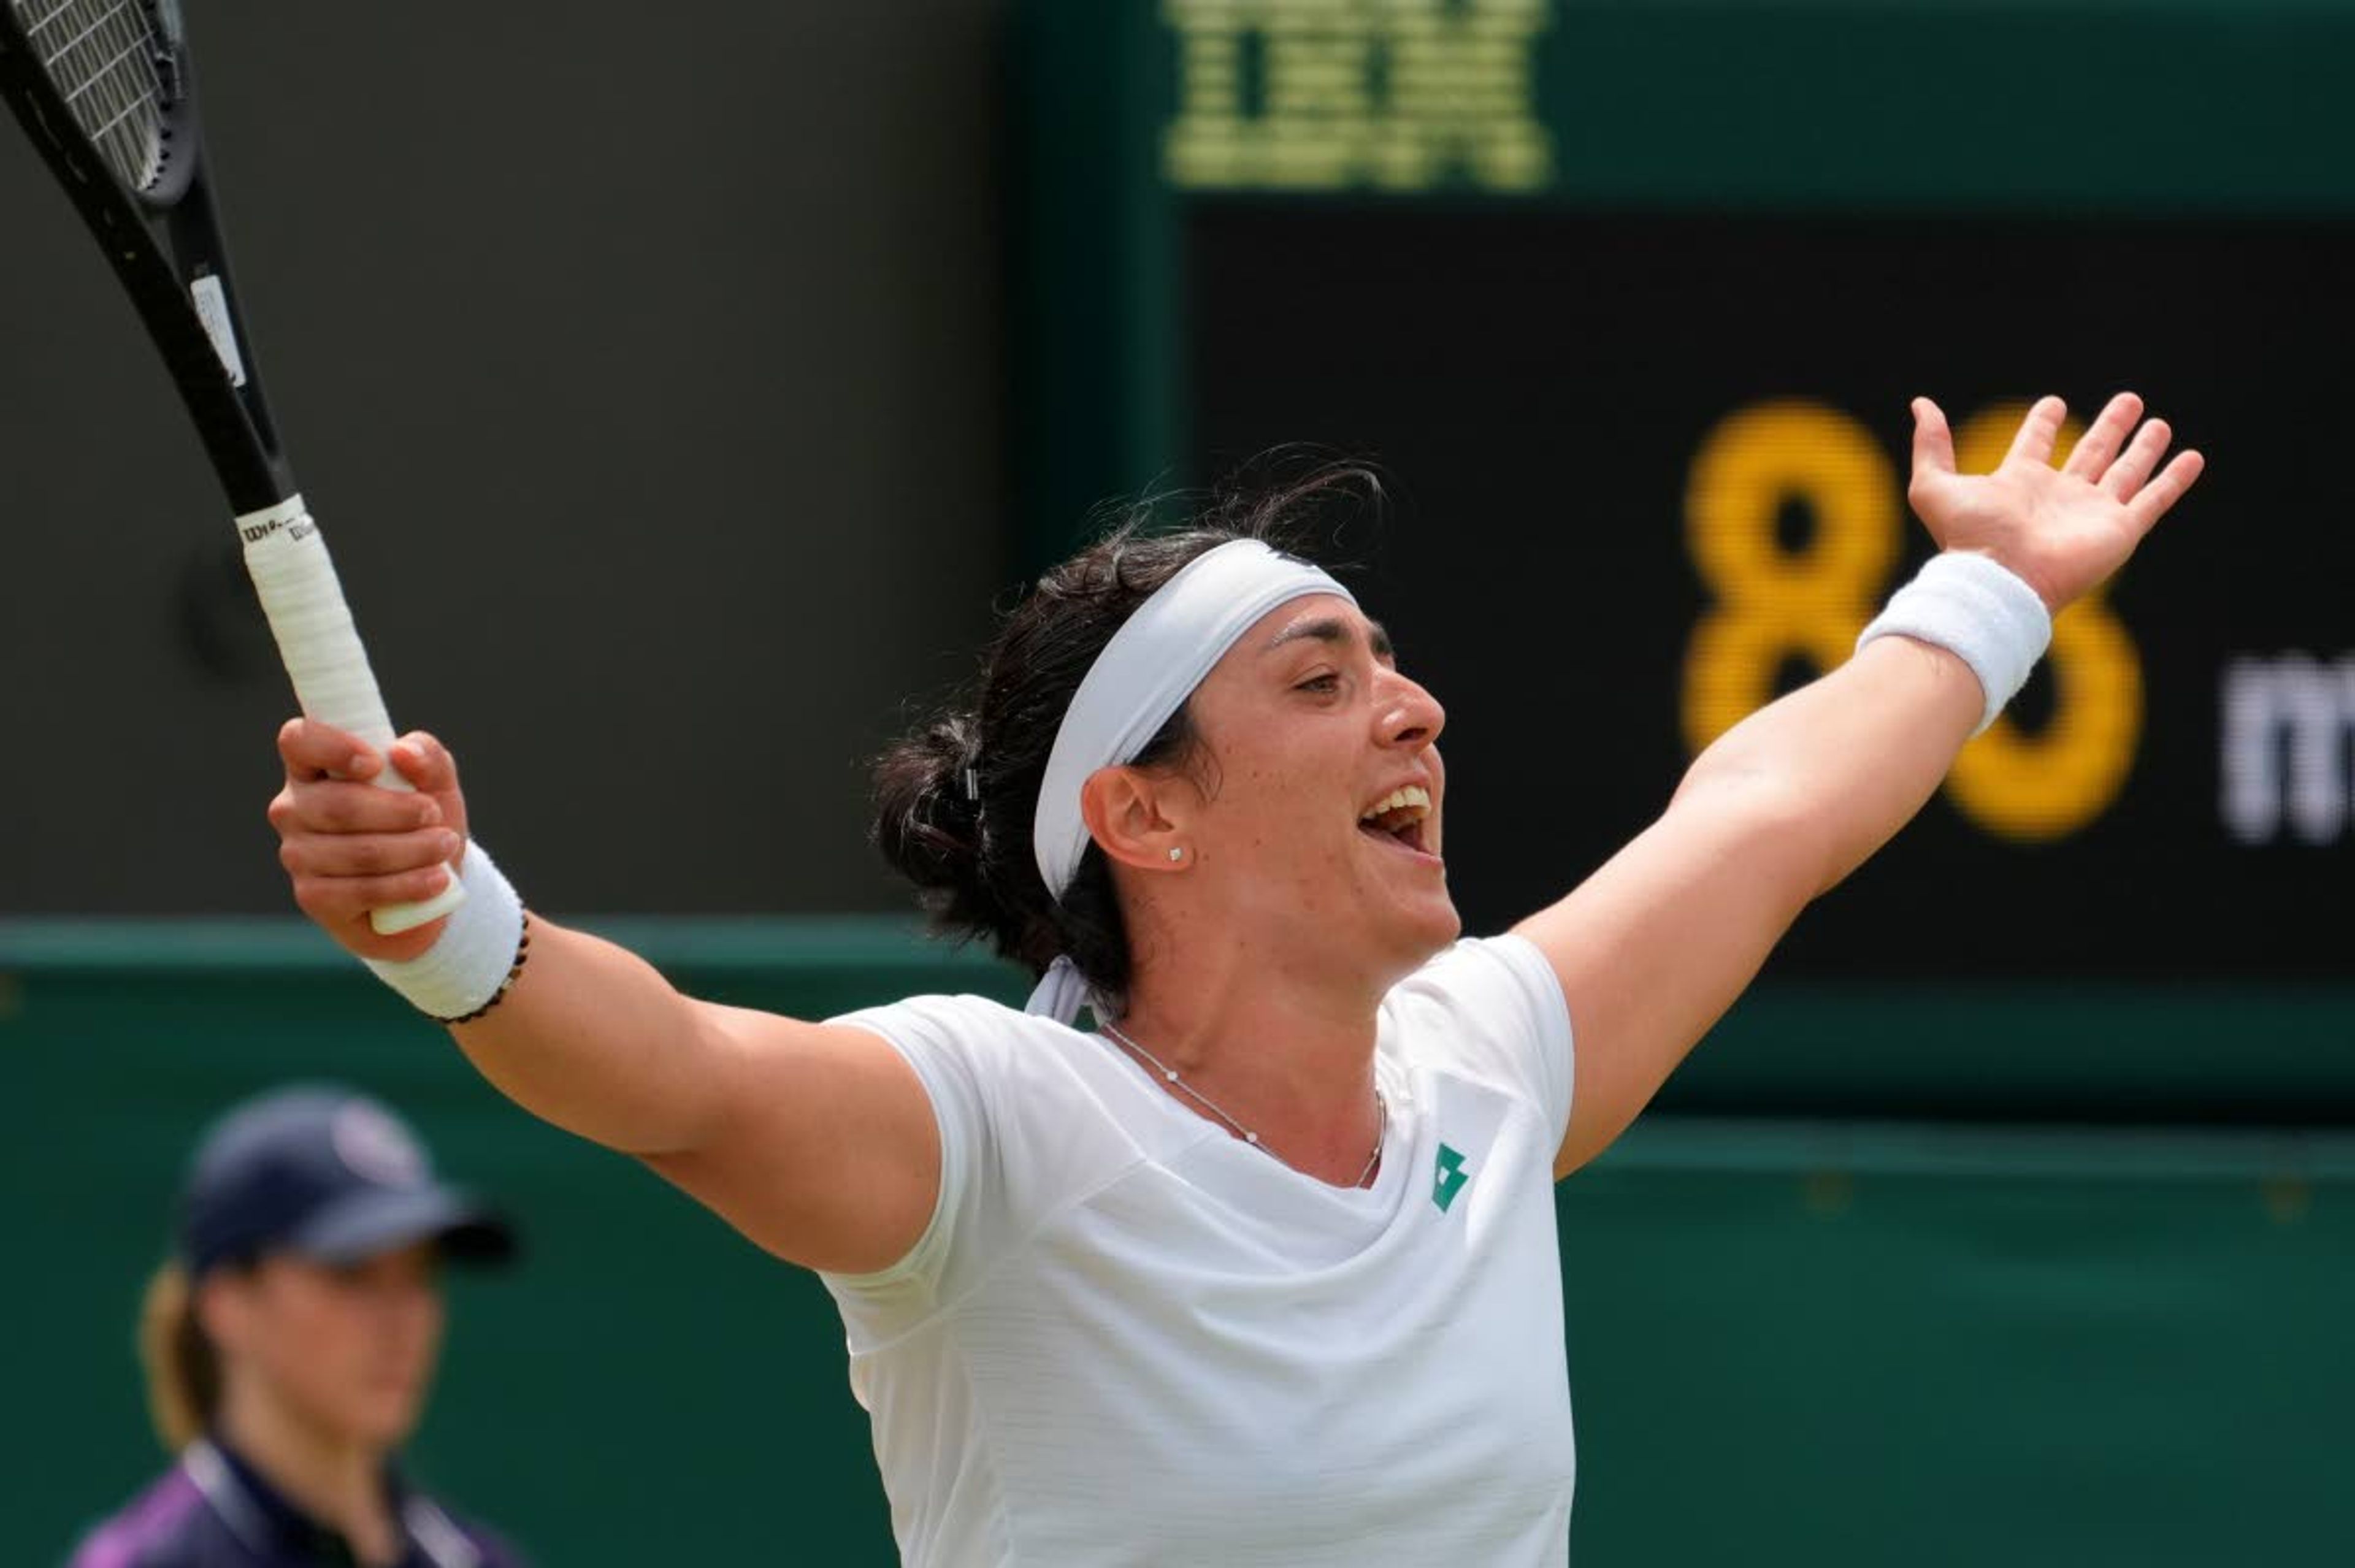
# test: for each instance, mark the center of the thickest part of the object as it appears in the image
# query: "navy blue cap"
(327, 1174)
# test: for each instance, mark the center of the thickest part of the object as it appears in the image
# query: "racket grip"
(320, 647)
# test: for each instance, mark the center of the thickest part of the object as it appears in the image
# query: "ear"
(224, 1307)
(1135, 818)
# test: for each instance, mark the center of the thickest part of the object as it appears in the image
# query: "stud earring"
(1176, 853)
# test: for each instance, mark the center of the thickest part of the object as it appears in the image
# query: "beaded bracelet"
(515, 972)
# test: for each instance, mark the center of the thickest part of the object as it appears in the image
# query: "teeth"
(1414, 796)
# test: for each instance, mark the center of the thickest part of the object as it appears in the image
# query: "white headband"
(1143, 676)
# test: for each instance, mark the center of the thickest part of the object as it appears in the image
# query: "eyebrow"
(1335, 630)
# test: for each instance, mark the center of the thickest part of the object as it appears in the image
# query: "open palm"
(2065, 530)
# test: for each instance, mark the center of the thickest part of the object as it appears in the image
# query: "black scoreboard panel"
(1650, 469)
(1628, 297)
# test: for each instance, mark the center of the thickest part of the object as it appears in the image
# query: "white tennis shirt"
(1128, 1338)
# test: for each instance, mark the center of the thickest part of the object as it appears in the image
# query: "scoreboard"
(1672, 482)
(1627, 300)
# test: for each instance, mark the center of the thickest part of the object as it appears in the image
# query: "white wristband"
(1978, 609)
(471, 958)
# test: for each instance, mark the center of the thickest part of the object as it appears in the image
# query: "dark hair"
(972, 859)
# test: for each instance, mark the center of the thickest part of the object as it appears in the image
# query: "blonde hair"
(184, 1372)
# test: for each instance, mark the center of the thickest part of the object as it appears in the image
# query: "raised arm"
(817, 1142)
(1655, 947)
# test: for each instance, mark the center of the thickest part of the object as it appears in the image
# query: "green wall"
(1800, 1340)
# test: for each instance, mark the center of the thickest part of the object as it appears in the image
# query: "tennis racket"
(103, 88)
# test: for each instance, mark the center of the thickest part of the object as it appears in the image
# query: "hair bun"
(928, 810)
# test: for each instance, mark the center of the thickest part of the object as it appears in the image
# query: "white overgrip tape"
(295, 580)
(470, 960)
(1979, 610)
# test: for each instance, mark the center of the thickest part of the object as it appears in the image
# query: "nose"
(1411, 717)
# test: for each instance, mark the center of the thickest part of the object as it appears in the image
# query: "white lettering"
(212, 309)
(2289, 736)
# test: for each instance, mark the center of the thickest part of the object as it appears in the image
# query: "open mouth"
(1402, 817)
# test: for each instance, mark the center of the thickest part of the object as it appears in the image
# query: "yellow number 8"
(1773, 604)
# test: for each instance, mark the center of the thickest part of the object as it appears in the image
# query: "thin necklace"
(1381, 1108)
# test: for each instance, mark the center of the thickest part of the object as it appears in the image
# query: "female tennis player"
(1263, 1270)
(289, 1341)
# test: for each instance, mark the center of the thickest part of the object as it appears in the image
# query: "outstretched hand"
(2063, 531)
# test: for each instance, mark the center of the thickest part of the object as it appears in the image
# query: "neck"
(1290, 1059)
(336, 1481)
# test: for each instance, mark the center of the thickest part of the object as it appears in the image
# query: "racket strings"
(102, 55)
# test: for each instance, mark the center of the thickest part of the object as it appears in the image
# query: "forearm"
(1836, 768)
(592, 1038)
(1655, 947)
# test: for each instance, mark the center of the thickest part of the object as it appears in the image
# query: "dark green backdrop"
(1791, 1342)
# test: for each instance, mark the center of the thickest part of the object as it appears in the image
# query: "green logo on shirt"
(1451, 1178)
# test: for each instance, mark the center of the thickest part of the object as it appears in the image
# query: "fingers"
(425, 763)
(2136, 464)
(351, 846)
(2039, 432)
(368, 854)
(341, 902)
(2097, 448)
(1934, 442)
(314, 751)
(2152, 502)
(340, 806)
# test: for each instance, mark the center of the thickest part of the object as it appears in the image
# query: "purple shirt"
(213, 1510)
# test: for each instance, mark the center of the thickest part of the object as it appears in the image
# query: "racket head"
(106, 94)
(106, 85)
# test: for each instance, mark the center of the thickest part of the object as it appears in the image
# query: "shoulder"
(987, 1055)
(1033, 1115)
(968, 1024)
(1482, 983)
(1019, 1079)
(1490, 1009)
(167, 1526)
